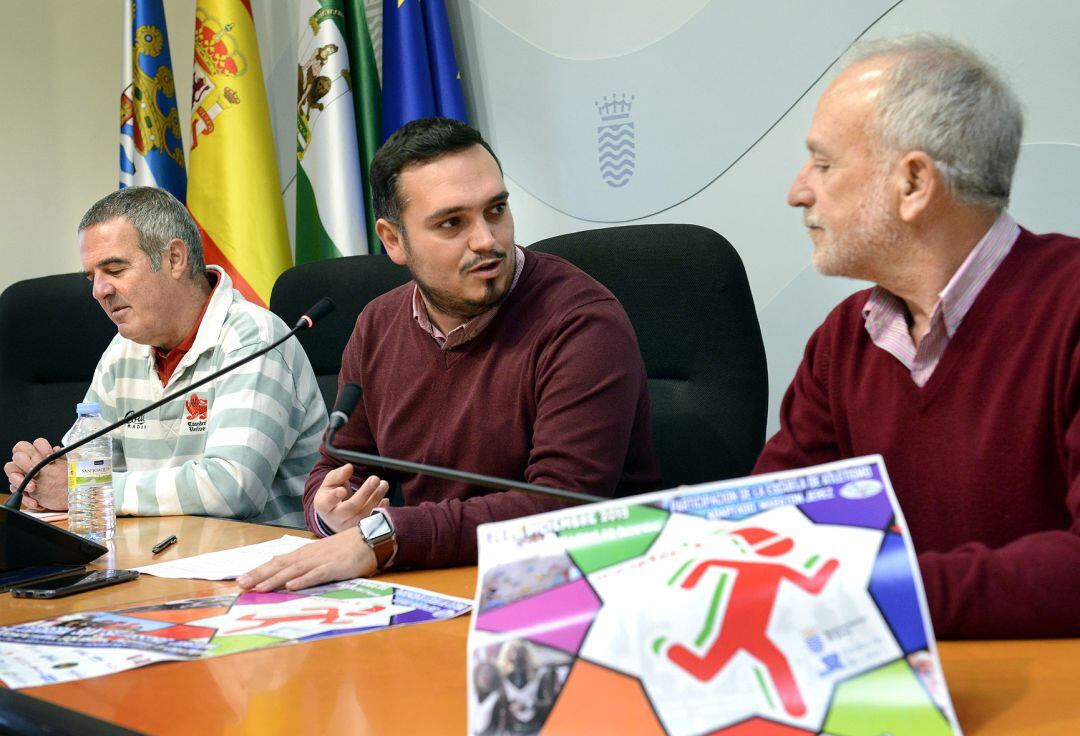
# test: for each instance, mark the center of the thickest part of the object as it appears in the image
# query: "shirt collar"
(166, 361)
(468, 330)
(959, 294)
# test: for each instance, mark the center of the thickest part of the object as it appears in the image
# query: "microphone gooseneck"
(343, 408)
(322, 308)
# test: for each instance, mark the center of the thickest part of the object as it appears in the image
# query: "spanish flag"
(233, 187)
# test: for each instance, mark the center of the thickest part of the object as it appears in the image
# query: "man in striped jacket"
(240, 446)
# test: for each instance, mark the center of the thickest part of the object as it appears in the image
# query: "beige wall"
(61, 83)
(61, 78)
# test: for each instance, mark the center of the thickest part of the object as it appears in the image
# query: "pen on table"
(163, 544)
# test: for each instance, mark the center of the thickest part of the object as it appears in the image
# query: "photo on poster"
(513, 581)
(514, 685)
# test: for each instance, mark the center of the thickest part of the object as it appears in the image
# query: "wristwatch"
(378, 534)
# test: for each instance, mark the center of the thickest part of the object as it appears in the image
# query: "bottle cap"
(88, 407)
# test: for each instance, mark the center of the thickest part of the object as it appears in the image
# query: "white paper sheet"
(47, 515)
(226, 564)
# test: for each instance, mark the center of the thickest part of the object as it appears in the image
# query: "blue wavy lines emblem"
(615, 139)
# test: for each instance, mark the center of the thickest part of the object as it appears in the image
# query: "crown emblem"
(614, 107)
(217, 60)
(615, 139)
(216, 50)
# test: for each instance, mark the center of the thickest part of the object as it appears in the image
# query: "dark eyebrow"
(114, 261)
(445, 211)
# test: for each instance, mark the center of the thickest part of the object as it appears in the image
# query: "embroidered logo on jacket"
(196, 413)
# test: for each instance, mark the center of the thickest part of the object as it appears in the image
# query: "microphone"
(343, 408)
(307, 320)
(321, 308)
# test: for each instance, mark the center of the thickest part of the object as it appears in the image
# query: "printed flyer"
(81, 645)
(786, 604)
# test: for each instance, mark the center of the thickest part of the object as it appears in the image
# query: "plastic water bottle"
(91, 512)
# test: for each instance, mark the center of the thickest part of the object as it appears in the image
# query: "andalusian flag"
(330, 192)
(151, 149)
(420, 73)
(367, 101)
(234, 192)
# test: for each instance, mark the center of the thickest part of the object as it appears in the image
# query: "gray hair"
(157, 216)
(943, 99)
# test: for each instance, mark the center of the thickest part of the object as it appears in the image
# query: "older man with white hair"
(962, 365)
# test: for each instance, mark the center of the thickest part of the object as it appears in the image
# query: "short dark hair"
(416, 142)
(157, 216)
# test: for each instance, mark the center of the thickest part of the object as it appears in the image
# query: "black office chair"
(685, 291)
(52, 334)
(351, 282)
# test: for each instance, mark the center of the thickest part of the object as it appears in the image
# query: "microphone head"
(347, 400)
(343, 408)
(321, 308)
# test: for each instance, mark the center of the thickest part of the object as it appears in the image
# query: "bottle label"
(89, 472)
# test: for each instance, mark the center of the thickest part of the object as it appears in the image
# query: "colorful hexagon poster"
(787, 603)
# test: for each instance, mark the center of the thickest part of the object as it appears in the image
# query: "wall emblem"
(615, 139)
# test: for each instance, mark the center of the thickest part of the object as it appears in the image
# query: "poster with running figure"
(783, 604)
(91, 644)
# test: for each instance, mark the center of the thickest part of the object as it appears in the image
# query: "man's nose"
(103, 288)
(481, 238)
(800, 194)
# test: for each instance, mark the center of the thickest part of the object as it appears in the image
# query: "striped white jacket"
(238, 447)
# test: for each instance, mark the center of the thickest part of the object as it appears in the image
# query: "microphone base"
(26, 541)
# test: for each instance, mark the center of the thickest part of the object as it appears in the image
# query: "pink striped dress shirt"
(886, 314)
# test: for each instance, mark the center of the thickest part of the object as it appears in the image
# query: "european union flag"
(151, 148)
(420, 73)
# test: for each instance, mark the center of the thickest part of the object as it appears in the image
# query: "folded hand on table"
(339, 557)
(48, 489)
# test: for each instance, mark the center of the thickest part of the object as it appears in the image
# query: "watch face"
(375, 526)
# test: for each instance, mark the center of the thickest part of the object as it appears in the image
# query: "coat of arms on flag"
(218, 60)
(151, 148)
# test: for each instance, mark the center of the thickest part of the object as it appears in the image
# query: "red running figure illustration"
(749, 609)
(323, 615)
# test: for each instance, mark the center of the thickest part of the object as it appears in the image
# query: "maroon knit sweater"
(552, 391)
(985, 458)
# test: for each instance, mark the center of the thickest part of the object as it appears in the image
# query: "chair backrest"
(351, 282)
(685, 291)
(51, 337)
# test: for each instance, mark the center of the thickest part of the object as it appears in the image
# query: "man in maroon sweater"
(962, 366)
(493, 360)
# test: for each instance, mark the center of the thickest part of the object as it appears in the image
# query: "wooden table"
(412, 680)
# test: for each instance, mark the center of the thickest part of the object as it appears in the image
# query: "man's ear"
(392, 240)
(175, 259)
(920, 184)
